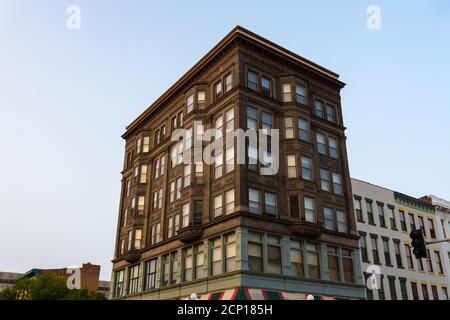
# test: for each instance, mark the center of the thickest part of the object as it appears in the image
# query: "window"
(412, 223)
(402, 220)
(337, 183)
(187, 264)
(387, 253)
(143, 177)
(265, 85)
(171, 192)
(253, 201)
(429, 262)
(141, 204)
(119, 281)
(138, 145)
(332, 144)
(252, 80)
(443, 228)
(300, 93)
(291, 166)
(150, 274)
(125, 217)
(310, 213)
(229, 201)
(173, 267)
(217, 206)
(228, 82)
(303, 129)
(294, 209)
(341, 221)
(392, 217)
(333, 264)
(218, 89)
(374, 242)
(146, 145)
(170, 227)
(415, 291)
(380, 208)
(306, 168)
(381, 295)
(425, 292)
(392, 289)
(273, 254)
(270, 206)
(421, 225)
(358, 211)
(363, 247)
(137, 238)
(160, 195)
(369, 292)
(312, 253)
(199, 172)
(165, 270)
(229, 145)
(198, 212)
(328, 218)
(297, 262)
(287, 97)
(318, 105)
(321, 143)
(180, 120)
(347, 265)
(178, 192)
(128, 183)
(266, 122)
(409, 256)
(288, 128)
(444, 293)
(174, 123)
(185, 215)
(324, 179)
(187, 175)
(199, 262)
(133, 279)
(122, 246)
(370, 212)
(216, 256)
(420, 264)
(434, 292)
(431, 228)
(230, 252)
(157, 137)
(130, 240)
(437, 257)
(398, 255)
(403, 289)
(252, 118)
(255, 252)
(330, 113)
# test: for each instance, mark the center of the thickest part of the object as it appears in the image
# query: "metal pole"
(437, 241)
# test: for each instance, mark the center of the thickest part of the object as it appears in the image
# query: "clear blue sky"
(66, 96)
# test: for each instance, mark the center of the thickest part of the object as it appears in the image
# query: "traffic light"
(418, 243)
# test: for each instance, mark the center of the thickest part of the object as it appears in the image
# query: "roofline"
(232, 35)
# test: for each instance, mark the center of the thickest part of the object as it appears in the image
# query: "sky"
(66, 96)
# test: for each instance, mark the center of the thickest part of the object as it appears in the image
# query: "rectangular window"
(310, 212)
(171, 192)
(402, 220)
(412, 223)
(265, 85)
(333, 264)
(297, 261)
(318, 108)
(252, 80)
(387, 253)
(403, 289)
(392, 217)
(306, 163)
(198, 212)
(358, 210)
(381, 295)
(328, 218)
(392, 289)
(185, 215)
(289, 128)
(380, 208)
(363, 247)
(150, 274)
(330, 113)
(130, 240)
(347, 265)
(174, 123)
(321, 143)
(253, 201)
(187, 264)
(180, 120)
(252, 122)
(158, 232)
(119, 282)
(370, 212)
(228, 82)
(291, 166)
(398, 255)
(125, 217)
(341, 221)
(199, 262)
(415, 291)
(333, 149)
(173, 267)
(337, 183)
(270, 203)
(201, 98)
(143, 176)
(425, 292)
(444, 293)
(138, 239)
(165, 270)
(138, 145)
(187, 175)
(303, 129)
(287, 97)
(300, 93)
(199, 172)
(218, 89)
(160, 195)
(312, 253)
(146, 145)
(122, 246)
(229, 201)
(255, 252)
(266, 122)
(437, 257)
(178, 191)
(324, 179)
(374, 242)
(409, 256)
(216, 257)
(429, 262)
(294, 208)
(218, 206)
(273, 254)
(434, 292)
(141, 204)
(170, 232)
(230, 252)
(431, 228)
(133, 279)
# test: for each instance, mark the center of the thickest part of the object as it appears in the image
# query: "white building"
(384, 220)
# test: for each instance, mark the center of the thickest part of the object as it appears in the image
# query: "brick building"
(187, 227)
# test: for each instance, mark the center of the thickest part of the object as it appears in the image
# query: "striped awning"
(257, 294)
